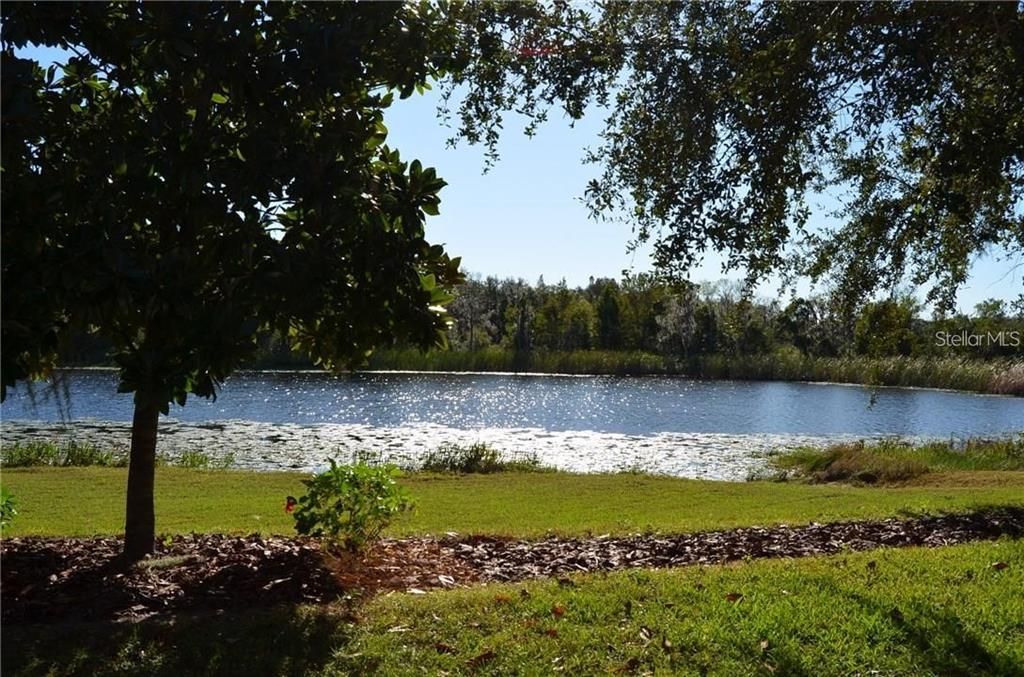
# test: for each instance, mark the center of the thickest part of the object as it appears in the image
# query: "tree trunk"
(139, 521)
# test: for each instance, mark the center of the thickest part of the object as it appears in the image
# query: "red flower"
(290, 503)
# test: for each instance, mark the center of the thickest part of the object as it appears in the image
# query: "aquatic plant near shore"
(478, 458)
(895, 460)
(1009, 381)
(998, 376)
(73, 453)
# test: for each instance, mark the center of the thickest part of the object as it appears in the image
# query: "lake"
(679, 426)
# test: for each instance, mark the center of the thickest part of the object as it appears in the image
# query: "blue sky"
(525, 219)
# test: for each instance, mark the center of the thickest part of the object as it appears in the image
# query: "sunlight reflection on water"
(678, 426)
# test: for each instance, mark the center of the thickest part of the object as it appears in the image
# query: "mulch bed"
(514, 560)
(59, 579)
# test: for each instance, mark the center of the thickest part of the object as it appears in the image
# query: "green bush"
(8, 507)
(348, 506)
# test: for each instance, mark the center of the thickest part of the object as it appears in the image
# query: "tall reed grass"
(499, 359)
(895, 460)
(953, 373)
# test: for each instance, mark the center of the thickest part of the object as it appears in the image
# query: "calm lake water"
(680, 426)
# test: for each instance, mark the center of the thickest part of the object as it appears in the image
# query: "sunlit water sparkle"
(677, 426)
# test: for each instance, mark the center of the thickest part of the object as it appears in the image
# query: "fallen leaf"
(999, 566)
(765, 645)
(558, 610)
(734, 596)
(551, 632)
(631, 665)
(666, 644)
(444, 648)
(502, 599)
(482, 658)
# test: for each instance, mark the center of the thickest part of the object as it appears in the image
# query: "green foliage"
(609, 320)
(886, 328)
(894, 461)
(348, 506)
(476, 458)
(8, 507)
(298, 217)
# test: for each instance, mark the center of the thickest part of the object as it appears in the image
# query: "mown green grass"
(898, 460)
(86, 501)
(913, 612)
(945, 611)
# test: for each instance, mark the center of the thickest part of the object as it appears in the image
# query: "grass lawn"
(944, 611)
(90, 500)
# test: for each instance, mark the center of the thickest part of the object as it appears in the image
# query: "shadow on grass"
(277, 641)
(938, 641)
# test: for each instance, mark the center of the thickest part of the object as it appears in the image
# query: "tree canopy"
(196, 172)
(726, 122)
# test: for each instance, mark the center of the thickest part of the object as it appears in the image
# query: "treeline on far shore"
(643, 325)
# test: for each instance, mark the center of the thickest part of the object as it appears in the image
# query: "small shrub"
(348, 506)
(8, 507)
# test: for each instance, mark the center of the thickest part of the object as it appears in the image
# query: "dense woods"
(644, 317)
(642, 313)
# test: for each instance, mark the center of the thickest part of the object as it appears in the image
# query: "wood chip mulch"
(514, 560)
(59, 579)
